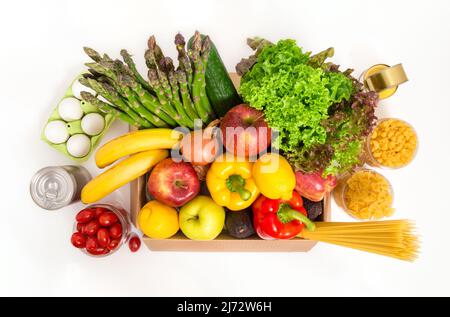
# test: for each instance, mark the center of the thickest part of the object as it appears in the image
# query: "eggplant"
(239, 224)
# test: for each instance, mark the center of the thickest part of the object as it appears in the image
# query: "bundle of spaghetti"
(394, 238)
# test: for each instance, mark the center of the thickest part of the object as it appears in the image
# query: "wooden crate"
(223, 242)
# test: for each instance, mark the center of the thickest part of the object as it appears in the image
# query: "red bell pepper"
(280, 219)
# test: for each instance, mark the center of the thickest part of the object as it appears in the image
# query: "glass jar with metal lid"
(384, 79)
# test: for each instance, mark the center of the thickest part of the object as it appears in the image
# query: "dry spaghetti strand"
(393, 238)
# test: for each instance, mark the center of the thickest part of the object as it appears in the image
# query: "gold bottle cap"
(384, 79)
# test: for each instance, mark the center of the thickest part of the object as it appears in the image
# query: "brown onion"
(200, 147)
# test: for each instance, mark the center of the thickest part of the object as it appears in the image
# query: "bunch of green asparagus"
(169, 98)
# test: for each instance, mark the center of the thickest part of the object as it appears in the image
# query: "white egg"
(56, 132)
(69, 109)
(78, 145)
(77, 88)
(92, 123)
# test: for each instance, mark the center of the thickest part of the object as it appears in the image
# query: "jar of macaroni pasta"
(392, 144)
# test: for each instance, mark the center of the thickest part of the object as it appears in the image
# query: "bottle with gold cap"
(384, 79)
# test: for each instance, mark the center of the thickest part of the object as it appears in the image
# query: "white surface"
(42, 52)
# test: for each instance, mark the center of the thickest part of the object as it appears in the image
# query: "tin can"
(54, 187)
(384, 79)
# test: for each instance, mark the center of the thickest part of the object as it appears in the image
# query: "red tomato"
(78, 240)
(113, 244)
(93, 248)
(115, 231)
(85, 215)
(80, 227)
(107, 219)
(91, 228)
(134, 244)
(103, 238)
(91, 244)
(98, 251)
(99, 211)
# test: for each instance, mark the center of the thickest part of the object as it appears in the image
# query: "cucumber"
(220, 89)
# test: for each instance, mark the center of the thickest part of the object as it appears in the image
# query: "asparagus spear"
(106, 108)
(135, 104)
(175, 93)
(93, 54)
(159, 82)
(177, 101)
(116, 99)
(103, 68)
(157, 52)
(206, 47)
(149, 101)
(106, 58)
(132, 66)
(93, 73)
(119, 76)
(154, 82)
(157, 61)
(198, 78)
(109, 71)
(153, 55)
(108, 92)
(183, 59)
(185, 95)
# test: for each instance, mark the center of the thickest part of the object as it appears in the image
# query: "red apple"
(173, 183)
(244, 131)
(313, 186)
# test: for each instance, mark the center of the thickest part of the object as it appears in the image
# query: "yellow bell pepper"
(230, 183)
(274, 176)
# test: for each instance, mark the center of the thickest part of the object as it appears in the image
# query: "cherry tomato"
(91, 244)
(103, 238)
(98, 251)
(134, 244)
(99, 211)
(107, 219)
(78, 240)
(115, 231)
(80, 227)
(91, 228)
(113, 244)
(85, 215)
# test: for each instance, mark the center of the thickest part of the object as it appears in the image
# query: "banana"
(134, 142)
(120, 174)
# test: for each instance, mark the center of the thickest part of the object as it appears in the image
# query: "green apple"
(202, 218)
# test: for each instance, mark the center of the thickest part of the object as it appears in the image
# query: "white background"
(41, 51)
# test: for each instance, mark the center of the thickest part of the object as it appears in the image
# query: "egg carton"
(74, 126)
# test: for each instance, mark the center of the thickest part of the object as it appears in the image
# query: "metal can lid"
(384, 79)
(53, 187)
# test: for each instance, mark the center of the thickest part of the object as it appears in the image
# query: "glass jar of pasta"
(392, 144)
(365, 195)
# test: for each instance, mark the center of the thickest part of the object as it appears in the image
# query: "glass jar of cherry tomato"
(101, 229)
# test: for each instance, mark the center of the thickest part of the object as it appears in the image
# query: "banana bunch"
(146, 147)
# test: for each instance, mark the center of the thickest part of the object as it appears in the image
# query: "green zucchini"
(220, 89)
